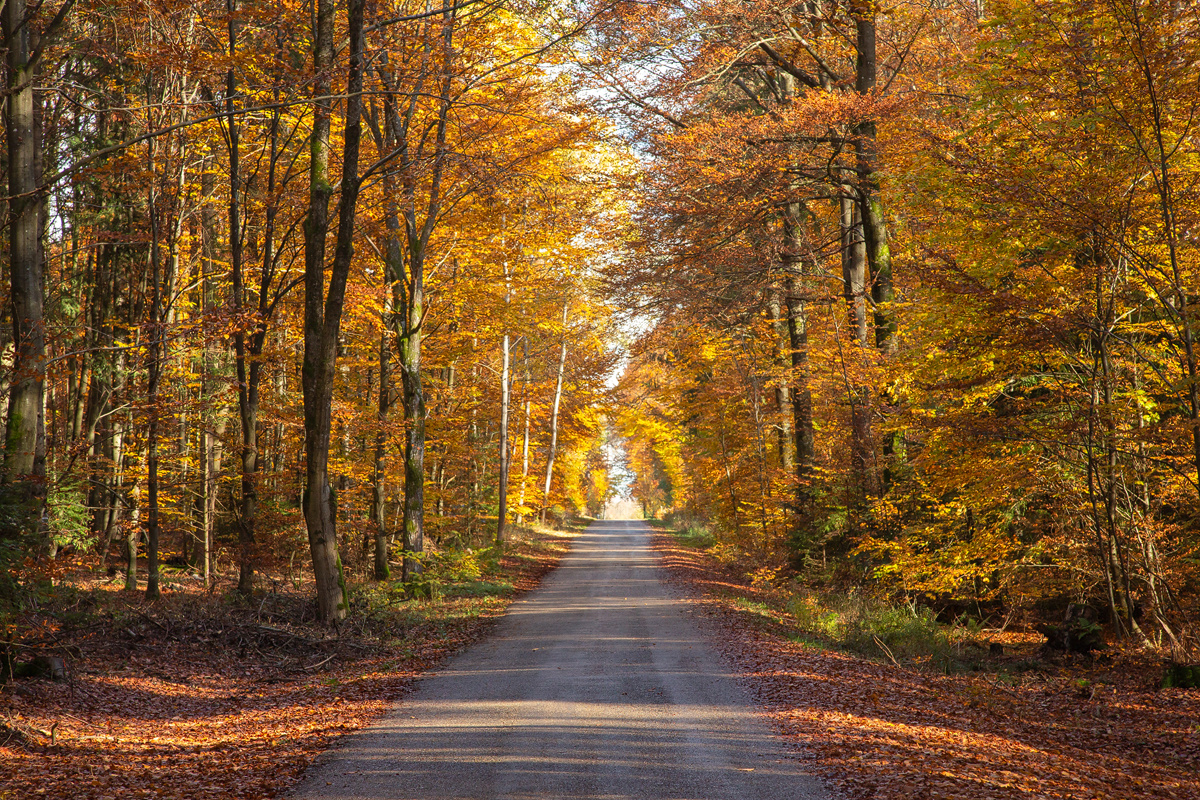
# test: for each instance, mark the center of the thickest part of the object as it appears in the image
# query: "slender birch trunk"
(525, 438)
(505, 395)
(558, 386)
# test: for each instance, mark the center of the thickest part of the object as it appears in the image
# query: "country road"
(597, 685)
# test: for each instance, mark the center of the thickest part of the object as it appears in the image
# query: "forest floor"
(1025, 725)
(202, 695)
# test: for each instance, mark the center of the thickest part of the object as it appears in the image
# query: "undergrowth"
(900, 633)
(690, 530)
(875, 629)
(453, 584)
(458, 587)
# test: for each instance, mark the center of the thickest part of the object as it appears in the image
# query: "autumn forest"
(897, 296)
(889, 301)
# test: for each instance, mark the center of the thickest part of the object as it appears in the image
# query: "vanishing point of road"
(597, 685)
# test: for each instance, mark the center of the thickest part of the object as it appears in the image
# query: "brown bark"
(379, 488)
(797, 325)
(874, 225)
(323, 306)
(24, 470)
(854, 280)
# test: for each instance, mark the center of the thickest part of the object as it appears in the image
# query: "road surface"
(597, 685)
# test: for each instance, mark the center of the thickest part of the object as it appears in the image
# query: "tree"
(24, 471)
(323, 307)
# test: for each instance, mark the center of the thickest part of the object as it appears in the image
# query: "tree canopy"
(899, 297)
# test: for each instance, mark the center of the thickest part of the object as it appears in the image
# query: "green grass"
(689, 531)
(479, 588)
(696, 537)
(874, 629)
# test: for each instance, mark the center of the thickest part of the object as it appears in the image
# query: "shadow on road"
(598, 686)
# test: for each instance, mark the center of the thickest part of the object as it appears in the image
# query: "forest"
(896, 300)
(282, 292)
(327, 324)
(923, 282)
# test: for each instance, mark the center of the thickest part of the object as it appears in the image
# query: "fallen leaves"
(878, 731)
(155, 712)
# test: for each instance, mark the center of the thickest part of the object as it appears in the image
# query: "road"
(597, 685)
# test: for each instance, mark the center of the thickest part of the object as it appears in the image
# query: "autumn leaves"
(293, 288)
(951, 250)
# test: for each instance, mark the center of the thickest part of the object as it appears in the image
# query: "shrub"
(905, 633)
(690, 530)
(458, 565)
(813, 618)
(69, 523)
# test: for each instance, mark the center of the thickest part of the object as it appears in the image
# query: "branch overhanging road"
(597, 685)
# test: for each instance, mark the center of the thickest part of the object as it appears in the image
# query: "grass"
(878, 630)
(874, 629)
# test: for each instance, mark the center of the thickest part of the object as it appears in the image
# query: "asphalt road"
(597, 685)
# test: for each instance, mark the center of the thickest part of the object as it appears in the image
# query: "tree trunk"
(505, 393)
(247, 382)
(783, 404)
(414, 415)
(417, 235)
(323, 308)
(97, 420)
(797, 324)
(133, 537)
(525, 438)
(153, 373)
(871, 212)
(870, 204)
(212, 417)
(558, 385)
(796, 286)
(214, 430)
(24, 443)
(854, 283)
(379, 492)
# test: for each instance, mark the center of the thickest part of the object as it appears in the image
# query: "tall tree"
(24, 471)
(323, 307)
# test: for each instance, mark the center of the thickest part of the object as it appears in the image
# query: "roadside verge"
(198, 696)
(876, 730)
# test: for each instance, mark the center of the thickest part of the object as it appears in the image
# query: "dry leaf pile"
(1067, 729)
(170, 707)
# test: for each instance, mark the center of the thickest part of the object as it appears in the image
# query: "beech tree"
(24, 473)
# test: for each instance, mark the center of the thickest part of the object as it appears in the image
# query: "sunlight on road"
(623, 508)
(598, 685)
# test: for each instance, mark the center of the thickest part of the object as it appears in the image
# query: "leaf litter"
(165, 702)
(1071, 728)
(167, 705)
